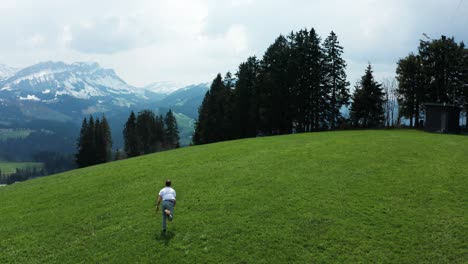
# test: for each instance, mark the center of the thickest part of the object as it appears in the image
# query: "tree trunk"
(417, 115)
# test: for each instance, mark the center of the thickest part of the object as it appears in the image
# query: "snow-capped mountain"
(7, 72)
(52, 98)
(165, 87)
(51, 81)
(61, 92)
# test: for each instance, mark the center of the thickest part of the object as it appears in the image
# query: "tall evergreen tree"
(201, 125)
(411, 93)
(82, 147)
(273, 82)
(91, 141)
(246, 99)
(309, 99)
(214, 114)
(442, 65)
(103, 141)
(465, 86)
(335, 82)
(159, 134)
(99, 156)
(172, 132)
(94, 143)
(367, 108)
(146, 131)
(228, 108)
(131, 143)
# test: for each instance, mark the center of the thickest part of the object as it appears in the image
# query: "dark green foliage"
(335, 83)
(215, 114)
(245, 99)
(438, 73)
(22, 175)
(299, 85)
(82, 144)
(131, 147)
(55, 162)
(172, 132)
(94, 143)
(309, 99)
(275, 110)
(442, 62)
(411, 87)
(103, 141)
(465, 88)
(148, 133)
(367, 108)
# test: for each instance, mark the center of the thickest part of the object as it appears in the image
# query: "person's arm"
(158, 202)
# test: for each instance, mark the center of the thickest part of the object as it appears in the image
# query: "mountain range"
(57, 94)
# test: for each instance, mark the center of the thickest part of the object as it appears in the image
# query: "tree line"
(22, 175)
(94, 143)
(438, 73)
(299, 85)
(147, 133)
(143, 134)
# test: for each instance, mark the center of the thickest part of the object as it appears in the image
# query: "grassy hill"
(333, 197)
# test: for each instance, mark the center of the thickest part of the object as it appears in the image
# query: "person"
(167, 196)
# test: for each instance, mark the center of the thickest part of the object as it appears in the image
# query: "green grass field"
(332, 197)
(10, 167)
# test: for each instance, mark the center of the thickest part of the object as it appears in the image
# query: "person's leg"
(164, 216)
(170, 207)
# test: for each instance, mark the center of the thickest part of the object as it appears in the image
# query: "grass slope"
(333, 197)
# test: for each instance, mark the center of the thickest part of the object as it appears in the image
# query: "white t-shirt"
(167, 193)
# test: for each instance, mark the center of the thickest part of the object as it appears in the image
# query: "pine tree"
(245, 97)
(411, 88)
(159, 134)
(309, 98)
(99, 155)
(201, 125)
(442, 66)
(172, 132)
(335, 82)
(465, 86)
(146, 131)
(212, 124)
(367, 108)
(81, 156)
(275, 111)
(131, 143)
(91, 142)
(106, 147)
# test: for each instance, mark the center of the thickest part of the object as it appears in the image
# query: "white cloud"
(192, 40)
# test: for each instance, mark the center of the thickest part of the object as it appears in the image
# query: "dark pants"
(169, 206)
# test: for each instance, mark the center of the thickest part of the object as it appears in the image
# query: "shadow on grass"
(164, 237)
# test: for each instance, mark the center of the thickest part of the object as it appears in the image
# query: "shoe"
(168, 213)
(164, 230)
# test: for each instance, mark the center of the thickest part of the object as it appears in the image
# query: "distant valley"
(49, 100)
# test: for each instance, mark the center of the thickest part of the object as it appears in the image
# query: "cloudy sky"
(191, 41)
